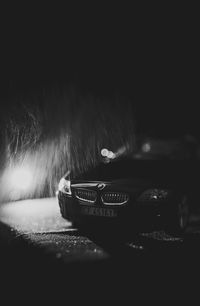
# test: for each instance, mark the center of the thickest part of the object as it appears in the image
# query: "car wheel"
(178, 217)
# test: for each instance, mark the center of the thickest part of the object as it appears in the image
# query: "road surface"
(41, 252)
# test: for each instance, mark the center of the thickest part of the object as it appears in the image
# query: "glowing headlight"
(154, 195)
(64, 186)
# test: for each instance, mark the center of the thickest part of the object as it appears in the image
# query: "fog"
(55, 130)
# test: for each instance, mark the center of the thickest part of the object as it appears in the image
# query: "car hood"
(139, 173)
(118, 184)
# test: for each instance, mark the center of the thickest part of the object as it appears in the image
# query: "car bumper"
(140, 215)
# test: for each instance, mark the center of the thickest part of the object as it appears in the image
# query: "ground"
(40, 251)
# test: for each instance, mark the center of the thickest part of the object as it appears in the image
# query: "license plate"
(98, 211)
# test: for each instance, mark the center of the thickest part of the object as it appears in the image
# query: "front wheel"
(178, 217)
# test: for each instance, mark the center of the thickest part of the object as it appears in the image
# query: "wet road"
(41, 252)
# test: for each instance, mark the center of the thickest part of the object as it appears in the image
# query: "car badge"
(101, 186)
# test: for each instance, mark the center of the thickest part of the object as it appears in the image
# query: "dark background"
(150, 58)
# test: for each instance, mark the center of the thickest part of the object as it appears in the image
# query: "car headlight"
(65, 186)
(154, 195)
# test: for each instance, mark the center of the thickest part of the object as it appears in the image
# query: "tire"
(178, 217)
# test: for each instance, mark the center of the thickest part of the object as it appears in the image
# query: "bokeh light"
(104, 152)
(146, 147)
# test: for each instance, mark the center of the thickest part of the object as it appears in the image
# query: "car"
(131, 192)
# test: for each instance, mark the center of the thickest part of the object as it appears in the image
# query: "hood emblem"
(101, 186)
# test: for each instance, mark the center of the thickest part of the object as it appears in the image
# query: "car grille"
(114, 198)
(86, 195)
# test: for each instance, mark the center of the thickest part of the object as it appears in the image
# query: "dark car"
(131, 192)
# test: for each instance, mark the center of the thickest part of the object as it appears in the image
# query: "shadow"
(141, 263)
(153, 251)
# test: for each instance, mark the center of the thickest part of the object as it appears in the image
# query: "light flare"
(21, 178)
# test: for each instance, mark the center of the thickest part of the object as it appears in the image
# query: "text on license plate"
(98, 211)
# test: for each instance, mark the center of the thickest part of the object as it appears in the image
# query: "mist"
(59, 129)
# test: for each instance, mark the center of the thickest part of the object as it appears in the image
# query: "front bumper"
(138, 215)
